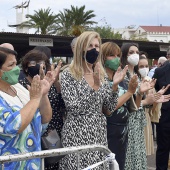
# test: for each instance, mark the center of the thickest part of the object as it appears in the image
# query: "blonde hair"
(110, 49)
(80, 49)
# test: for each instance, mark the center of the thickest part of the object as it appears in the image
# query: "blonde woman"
(85, 91)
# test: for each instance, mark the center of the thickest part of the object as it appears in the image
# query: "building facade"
(153, 33)
(150, 33)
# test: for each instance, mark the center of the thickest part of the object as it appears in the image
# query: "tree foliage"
(135, 37)
(63, 23)
(74, 21)
(69, 22)
(42, 20)
(106, 32)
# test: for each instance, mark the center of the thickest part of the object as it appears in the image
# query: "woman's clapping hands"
(119, 75)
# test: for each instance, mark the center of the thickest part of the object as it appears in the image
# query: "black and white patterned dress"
(85, 123)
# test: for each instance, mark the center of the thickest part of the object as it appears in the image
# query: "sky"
(115, 13)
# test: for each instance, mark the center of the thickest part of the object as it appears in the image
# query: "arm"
(29, 109)
(45, 106)
(138, 99)
(110, 100)
(144, 102)
(145, 86)
(13, 120)
(151, 97)
(57, 86)
(123, 99)
(38, 93)
(133, 83)
(45, 109)
(56, 73)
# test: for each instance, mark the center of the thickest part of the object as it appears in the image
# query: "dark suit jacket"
(162, 74)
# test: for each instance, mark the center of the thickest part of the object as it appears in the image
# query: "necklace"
(15, 92)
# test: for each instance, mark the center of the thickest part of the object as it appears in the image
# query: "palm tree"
(63, 24)
(80, 17)
(75, 20)
(42, 20)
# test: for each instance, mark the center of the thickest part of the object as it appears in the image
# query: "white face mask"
(143, 71)
(133, 59)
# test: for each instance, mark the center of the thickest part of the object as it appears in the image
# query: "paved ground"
(151, 161)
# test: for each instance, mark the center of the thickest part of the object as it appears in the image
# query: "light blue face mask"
(11, 76)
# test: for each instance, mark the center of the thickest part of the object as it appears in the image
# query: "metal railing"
(57, 152)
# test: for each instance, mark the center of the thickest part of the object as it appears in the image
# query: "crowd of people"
(104, 96)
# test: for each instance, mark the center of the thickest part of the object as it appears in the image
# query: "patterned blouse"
(10, 141)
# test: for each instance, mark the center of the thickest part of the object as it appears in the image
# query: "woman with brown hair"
(136, 152)
(117, 132)
(23, 113)
(36, 62)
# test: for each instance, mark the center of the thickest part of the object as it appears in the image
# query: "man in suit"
(162, 74)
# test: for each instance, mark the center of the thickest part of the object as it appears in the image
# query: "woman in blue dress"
(23, 113)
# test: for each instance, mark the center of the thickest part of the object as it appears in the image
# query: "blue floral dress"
(10, 121)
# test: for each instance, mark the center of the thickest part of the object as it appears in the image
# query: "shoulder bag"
(51, 141)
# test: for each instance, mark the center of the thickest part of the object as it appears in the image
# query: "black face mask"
(92, 55)
(33, 70)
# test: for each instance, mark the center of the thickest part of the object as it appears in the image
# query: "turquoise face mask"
(11, 76)
(113, 64)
